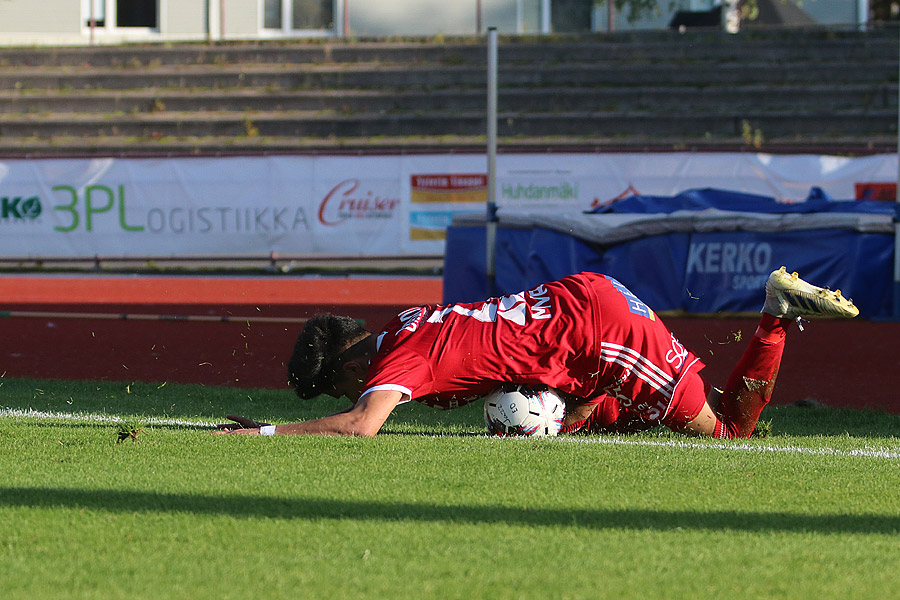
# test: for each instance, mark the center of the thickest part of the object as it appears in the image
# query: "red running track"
(245, 351)
(839, 363)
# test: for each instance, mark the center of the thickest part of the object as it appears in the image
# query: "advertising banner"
(378, 205)
(200, 207)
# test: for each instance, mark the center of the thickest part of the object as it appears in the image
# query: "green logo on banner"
(20, 208)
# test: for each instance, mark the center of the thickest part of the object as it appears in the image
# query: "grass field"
(431, 509)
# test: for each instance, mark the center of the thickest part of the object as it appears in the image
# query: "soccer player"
(586, 335)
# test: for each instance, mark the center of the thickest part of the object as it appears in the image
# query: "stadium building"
(116, 21)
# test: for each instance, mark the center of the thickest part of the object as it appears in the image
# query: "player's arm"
(364, 419)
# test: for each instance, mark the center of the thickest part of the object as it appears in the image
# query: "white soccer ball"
(528, 410)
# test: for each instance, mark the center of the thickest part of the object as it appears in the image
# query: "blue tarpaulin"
(703, 251)
(818, 201)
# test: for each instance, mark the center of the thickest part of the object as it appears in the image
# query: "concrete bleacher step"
(304, 124)
(376, 76)
(714, 98)
(837, 89)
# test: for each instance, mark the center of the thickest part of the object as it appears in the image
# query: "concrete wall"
(824, 12)
(433, 17)
(242, 17)
(185, 17)
(192, 18)
(45, 17)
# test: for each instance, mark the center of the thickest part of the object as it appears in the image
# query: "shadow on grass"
(320, 508)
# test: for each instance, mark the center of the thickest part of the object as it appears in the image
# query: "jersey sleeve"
(396, 367)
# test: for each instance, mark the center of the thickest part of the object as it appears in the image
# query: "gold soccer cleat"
(788, 296)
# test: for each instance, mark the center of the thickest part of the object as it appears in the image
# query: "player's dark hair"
(317, 353)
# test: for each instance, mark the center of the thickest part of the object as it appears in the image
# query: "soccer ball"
(528, 410)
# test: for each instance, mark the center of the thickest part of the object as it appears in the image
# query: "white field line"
(95, 418)
(865, 452)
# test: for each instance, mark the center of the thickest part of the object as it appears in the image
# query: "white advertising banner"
(385, 205)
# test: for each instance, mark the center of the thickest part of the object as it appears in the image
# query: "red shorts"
(688, 401)
(609, 416)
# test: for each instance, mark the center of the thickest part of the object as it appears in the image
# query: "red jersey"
(585, 335)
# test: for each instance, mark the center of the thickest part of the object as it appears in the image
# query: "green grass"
(178, 513)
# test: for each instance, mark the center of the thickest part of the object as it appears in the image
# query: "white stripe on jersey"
(611, 348)
(640, 365)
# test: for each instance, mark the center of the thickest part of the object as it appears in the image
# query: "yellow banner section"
(448, 197)
(420, 234)
(435, 198)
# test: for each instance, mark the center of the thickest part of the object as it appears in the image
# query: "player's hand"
(239, 423)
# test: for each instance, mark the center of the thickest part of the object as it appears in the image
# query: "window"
(136, 13)
(298, 15)
(272, 14)
(313, 14)
(99, 14)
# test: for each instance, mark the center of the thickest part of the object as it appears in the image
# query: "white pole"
(897, 225)
(345, 18)
(491, 215)
(546, 17)
(92, 23)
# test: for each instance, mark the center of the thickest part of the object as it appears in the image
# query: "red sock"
(772, 329)
(750, 385)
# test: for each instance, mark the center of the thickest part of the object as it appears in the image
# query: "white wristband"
(267, 430)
